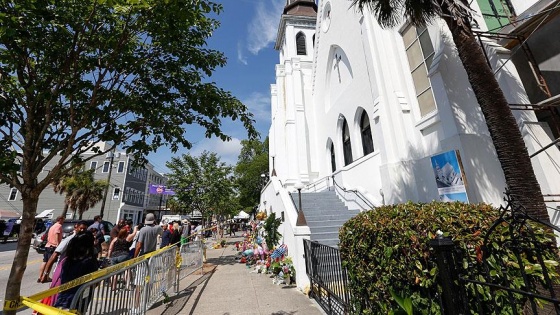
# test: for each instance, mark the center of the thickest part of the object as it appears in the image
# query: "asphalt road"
(29, 284)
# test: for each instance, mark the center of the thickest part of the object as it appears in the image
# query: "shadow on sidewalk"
(223, 260)
(178, 303)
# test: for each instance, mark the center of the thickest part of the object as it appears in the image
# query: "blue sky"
(246, 36)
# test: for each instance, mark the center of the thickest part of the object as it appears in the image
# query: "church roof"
(300, 7)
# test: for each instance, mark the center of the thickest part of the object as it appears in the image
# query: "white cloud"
(228, 151)
(258, 104)
(264, 25)
(241, 54)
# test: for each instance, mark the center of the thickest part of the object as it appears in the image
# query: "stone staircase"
(325, 213)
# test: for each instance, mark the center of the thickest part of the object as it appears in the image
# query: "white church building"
(384, 116)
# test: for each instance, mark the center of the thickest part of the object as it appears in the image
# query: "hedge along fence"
(387, 255)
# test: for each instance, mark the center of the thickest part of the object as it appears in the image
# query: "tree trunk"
(65, 210)
(13, 287)
(504, 131)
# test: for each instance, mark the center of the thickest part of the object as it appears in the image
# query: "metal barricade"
(131, 290)
(162, 273)
(191, 258)
(131, 287)
(120, 292)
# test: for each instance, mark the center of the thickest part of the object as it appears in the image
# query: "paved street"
(29, 284)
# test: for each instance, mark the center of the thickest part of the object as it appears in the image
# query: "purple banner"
(161, 190)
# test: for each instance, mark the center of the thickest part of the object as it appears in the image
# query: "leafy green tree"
(251, 164)
(504, 131)
(202, 183)
(132, 73)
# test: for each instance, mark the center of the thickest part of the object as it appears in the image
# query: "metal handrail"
(316, 183)
(356, 192)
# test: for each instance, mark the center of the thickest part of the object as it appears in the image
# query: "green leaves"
(404, 303)
(251, 164)
(131, 72)
(202, 183)
(386, 250)
(272, 236)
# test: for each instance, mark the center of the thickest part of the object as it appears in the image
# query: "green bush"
(386, 252)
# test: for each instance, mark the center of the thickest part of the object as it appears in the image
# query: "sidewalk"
(229, 288)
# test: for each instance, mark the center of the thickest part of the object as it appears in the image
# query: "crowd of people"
(88, 248)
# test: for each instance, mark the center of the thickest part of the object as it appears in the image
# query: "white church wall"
(360, 66)
(275, 199)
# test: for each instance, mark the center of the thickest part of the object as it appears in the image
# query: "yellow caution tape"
(14, 305)
(92, 276)
(10, 305)
(45, 309)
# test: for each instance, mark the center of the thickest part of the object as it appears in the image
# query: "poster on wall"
(450, 178)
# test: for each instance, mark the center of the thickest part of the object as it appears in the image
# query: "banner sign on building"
(161, 190)
(449, 176)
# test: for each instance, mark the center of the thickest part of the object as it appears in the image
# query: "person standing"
(186, 233)
(147, 236)
(176, 235)
(165, 236)
(115, 230)
(54, 237)
(146, 243)
(99, 233)
(132, 238)
(60, 253)
(80, 260)
(118, 250)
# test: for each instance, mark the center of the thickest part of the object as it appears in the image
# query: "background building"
(127, 196)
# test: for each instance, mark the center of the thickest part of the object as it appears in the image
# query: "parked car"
(9, 229)
(67, 229)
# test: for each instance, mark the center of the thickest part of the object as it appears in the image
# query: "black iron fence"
(328, 279)
(514, 270)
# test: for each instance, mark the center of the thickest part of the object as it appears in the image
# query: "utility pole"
(108, 183)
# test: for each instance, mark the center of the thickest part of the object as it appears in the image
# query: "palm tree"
(504, 131)
(86, 192)
(81, 191)
(63, 185)
(60, 187)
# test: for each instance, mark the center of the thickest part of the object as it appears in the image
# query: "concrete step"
(322, 229)
(343, 212)
(327, 217)
(322, 223)
(325, 214)
(325, 235)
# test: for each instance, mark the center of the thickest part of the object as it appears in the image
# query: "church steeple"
(300, 16)
(301, 7)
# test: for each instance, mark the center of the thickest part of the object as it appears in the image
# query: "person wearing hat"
(148, 236)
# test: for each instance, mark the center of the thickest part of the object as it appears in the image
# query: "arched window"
(300, 44)
(333, 160)
(346, 145)
(365, 130)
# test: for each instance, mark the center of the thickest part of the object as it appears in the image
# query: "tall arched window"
(365, 130)
(346, 145)
(333, 160)
(300, 44)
